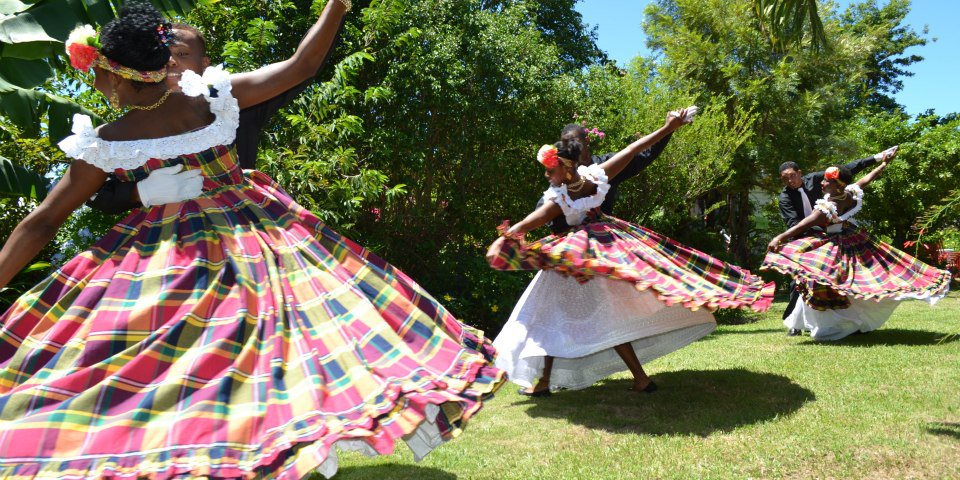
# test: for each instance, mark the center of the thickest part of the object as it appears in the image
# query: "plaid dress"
(603, 246)
(830, 268)
(605, 283)
(229, 336)
(849, 281)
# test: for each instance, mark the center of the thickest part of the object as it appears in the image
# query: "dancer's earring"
(569, 176)
(114, 99)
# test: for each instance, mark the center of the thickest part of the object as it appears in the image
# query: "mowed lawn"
(745, 402)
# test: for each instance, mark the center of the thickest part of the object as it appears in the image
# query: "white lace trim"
(108, 156)
(576, 210)
(829, 208)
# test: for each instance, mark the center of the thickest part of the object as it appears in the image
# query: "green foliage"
(887, 63)
(629, 104)
(921, 177)
(802, 98)
(790, 22)
(18, 182)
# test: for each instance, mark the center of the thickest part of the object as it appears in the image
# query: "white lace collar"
(108, 155)
(829, 207)
(576, 210)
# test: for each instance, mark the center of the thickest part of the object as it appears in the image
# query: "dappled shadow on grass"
(946, 429)
(689, 402)
(390, 471)
(890, 337)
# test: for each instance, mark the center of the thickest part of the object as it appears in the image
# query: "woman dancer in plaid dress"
(232, 335)
(849, 282)
(610, 294)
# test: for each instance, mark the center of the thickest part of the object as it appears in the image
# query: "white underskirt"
(861, 315)
(579, 324)
(421, 441)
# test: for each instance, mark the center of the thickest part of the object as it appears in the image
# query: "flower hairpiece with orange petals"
(83, 48)
(548, 156)
(832, 173)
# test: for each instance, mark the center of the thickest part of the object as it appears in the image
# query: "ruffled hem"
(932, 294)
(385, 402)
(517, 255)
(288, 459)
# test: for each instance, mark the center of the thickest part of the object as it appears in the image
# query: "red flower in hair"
(832, 173)
(81, 56)
(548, 156)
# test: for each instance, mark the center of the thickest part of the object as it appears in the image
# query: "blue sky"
(934, 84)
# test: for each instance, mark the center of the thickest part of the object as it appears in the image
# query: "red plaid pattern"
(229, 336)
(612, 248)
(851, 263)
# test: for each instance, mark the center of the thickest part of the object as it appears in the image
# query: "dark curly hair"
(569, 148)
(133, 39)
(573, 130)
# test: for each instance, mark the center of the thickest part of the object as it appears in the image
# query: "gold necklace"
(155, 105)
(576, 186)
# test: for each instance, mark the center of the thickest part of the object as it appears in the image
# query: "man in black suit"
(799, 195)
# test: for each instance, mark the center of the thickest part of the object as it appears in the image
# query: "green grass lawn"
(745, 402)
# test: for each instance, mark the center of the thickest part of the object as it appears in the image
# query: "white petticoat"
(861, 315)
(579, 324)
(421, 441)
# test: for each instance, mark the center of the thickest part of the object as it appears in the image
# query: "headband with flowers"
(83, 48)
(832, 173)
(549, 157)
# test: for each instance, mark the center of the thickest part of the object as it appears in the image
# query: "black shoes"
(536, 393)
(793, 332)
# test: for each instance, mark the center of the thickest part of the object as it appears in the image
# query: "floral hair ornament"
(163, 32)
(83, 48)
(832, 173)
(548, 156)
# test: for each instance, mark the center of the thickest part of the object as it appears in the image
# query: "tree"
(799, 95)
(787, 23)
(888, 61)
(629, 103)
(922, 176)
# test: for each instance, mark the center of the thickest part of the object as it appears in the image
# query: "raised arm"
(252, 88)
(621, 159)
(812, 220)
(643, 159)
(39, 227)
(885, 157)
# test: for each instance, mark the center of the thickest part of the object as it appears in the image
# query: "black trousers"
(794, 296)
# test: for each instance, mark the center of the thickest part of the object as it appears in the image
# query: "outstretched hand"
(887, 155)
(494, 249)
(774, 245)
(680, 117)
(675, 119)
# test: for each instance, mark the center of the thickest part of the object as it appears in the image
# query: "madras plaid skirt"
(616, 249)
(230, 336)
(830, 267)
